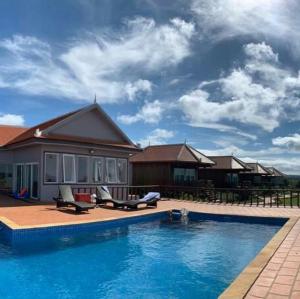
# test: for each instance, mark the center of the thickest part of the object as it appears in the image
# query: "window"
(190, 175)
(82, 169)
(51, 168)
(69, 168)
(98, 170)
(122, 170)
(232, 179)
(111, 170)
(184, 175)
(6, 171)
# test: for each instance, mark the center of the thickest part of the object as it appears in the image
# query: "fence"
(239, 196)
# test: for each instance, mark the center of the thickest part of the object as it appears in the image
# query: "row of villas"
(86, 148)
(181, 164)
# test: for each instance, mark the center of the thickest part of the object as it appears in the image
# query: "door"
(19, 177)
(27, 177)
(34, 181)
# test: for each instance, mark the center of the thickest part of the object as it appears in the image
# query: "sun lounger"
(104, 197)
(150, 200)
(66, 199)
(23, 194)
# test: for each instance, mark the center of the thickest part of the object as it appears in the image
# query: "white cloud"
(108, 65)
(132, 89)
(157, 136)
(260, 94)
(291, 142)
(225, 19)
(150, 113)
(12, 119)
(261, 52)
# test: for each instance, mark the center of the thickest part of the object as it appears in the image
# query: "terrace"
(274, 272)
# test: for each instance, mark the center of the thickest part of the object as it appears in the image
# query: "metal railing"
(121, 192)
(234, 196)
(239, 196)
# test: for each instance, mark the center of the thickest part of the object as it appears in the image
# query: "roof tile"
(171, 153)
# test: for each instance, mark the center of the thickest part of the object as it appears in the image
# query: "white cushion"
(151, 196)
(104, 192)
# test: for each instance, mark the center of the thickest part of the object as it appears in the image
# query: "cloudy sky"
(224, 75)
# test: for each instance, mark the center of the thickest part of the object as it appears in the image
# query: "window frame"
(102, 170)
(64, 168)
(57, 167)
(126, 172)
(116, 170)
(87, 169)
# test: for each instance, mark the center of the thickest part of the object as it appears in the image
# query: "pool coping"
(242, 284)
(14, 226)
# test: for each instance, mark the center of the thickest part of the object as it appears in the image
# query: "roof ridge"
(190, 150)
(172, 144)
(45, 123)
(244, 164)
(181, 150)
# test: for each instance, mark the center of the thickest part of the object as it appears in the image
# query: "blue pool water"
(156, 259)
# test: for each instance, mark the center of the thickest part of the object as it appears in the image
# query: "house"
(172, 164)
(81, 148)
(256, 176)
(225, 172)
(276, 177)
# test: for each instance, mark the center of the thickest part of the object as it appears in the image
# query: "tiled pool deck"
(279, 267)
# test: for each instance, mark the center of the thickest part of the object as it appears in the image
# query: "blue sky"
(223, 74)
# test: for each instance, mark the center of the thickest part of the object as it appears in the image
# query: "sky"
(222, 75)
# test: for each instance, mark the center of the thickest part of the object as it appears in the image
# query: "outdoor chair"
(23, 194)
(66, 199)
(105, 197)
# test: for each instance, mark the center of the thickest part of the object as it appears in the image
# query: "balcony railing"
(240, 196)
(234, 196)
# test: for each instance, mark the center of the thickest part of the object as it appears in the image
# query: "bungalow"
(256, 176)
(172, 164)
(225, 172)
(81, 148)
(276, 177)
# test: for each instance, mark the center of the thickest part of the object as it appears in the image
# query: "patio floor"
(279, 279)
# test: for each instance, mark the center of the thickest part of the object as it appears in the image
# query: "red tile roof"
(229, 162)
(29, 133)
(7, 133)
(275, 172)
(257, 168)
(170, 153)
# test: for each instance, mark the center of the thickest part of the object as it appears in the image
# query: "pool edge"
(245, 280)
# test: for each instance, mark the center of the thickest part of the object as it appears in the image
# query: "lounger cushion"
(104, 193)
(150, 196)
(66, 193)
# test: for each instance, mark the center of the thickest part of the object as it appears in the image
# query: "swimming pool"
(146, 257)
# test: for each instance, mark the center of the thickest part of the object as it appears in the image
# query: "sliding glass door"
(20, 176)
(26, 176)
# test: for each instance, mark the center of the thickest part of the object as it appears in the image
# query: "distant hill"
(293, 176)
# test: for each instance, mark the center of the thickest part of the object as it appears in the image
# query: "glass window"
(111, 170)
(6, 171)
(51, 168)
(98, 170)
(178, 174)
(122, 170)
(190, 175)
(69, 168)
(184, 174)
(82, 169)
